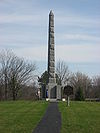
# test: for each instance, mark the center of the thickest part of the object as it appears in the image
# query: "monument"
(51, 90)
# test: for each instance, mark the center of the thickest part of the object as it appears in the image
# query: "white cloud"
(69, 53)
(15, 38)
(32, 53)
(79, 53)
(73, 19)
(79, 37)
(72, 53)
(35, 18)
(21, 19)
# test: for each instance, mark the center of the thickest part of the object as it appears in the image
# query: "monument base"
(51, 92)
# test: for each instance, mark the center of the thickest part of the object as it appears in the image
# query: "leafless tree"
(96, 87)
(80, 80)
(5, 58)
(1, 86)
(15, 72)
(96, 81)
(63, 72)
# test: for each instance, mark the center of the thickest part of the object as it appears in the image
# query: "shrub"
(79, 96)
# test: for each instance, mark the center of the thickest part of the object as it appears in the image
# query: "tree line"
(17, 79)
(84, 87)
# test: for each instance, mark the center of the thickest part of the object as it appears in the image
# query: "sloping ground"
(80, 117)
(20, 116)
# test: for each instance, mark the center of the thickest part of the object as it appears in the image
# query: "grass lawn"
(80, 117)
(20, 116)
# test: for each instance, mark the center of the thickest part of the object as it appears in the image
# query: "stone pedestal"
(54, 91)
(59, 92)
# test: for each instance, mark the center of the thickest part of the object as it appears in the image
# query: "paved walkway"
(51, 121)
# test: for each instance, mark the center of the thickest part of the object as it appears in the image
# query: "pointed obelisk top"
(51, 13)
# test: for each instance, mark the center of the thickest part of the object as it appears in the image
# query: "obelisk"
(51, 91)
(51, 59)
(51, 50)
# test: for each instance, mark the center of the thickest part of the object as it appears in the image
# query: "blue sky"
(24, 29)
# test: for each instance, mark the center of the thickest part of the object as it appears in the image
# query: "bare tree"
(80, 80)
(62, 72)
(96, 81)
(5, 58)
(15, 72)
(96, 87)
(1, 86)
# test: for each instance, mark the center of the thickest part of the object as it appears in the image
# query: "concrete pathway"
(51, 121)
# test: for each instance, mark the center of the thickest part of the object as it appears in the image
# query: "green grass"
(20, 116)
(80, 117)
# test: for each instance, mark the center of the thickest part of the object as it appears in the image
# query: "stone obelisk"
(51, 90)
(51, 50)
(51, 59)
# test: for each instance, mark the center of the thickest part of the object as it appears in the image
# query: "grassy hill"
(20, 116)
(80, 117)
